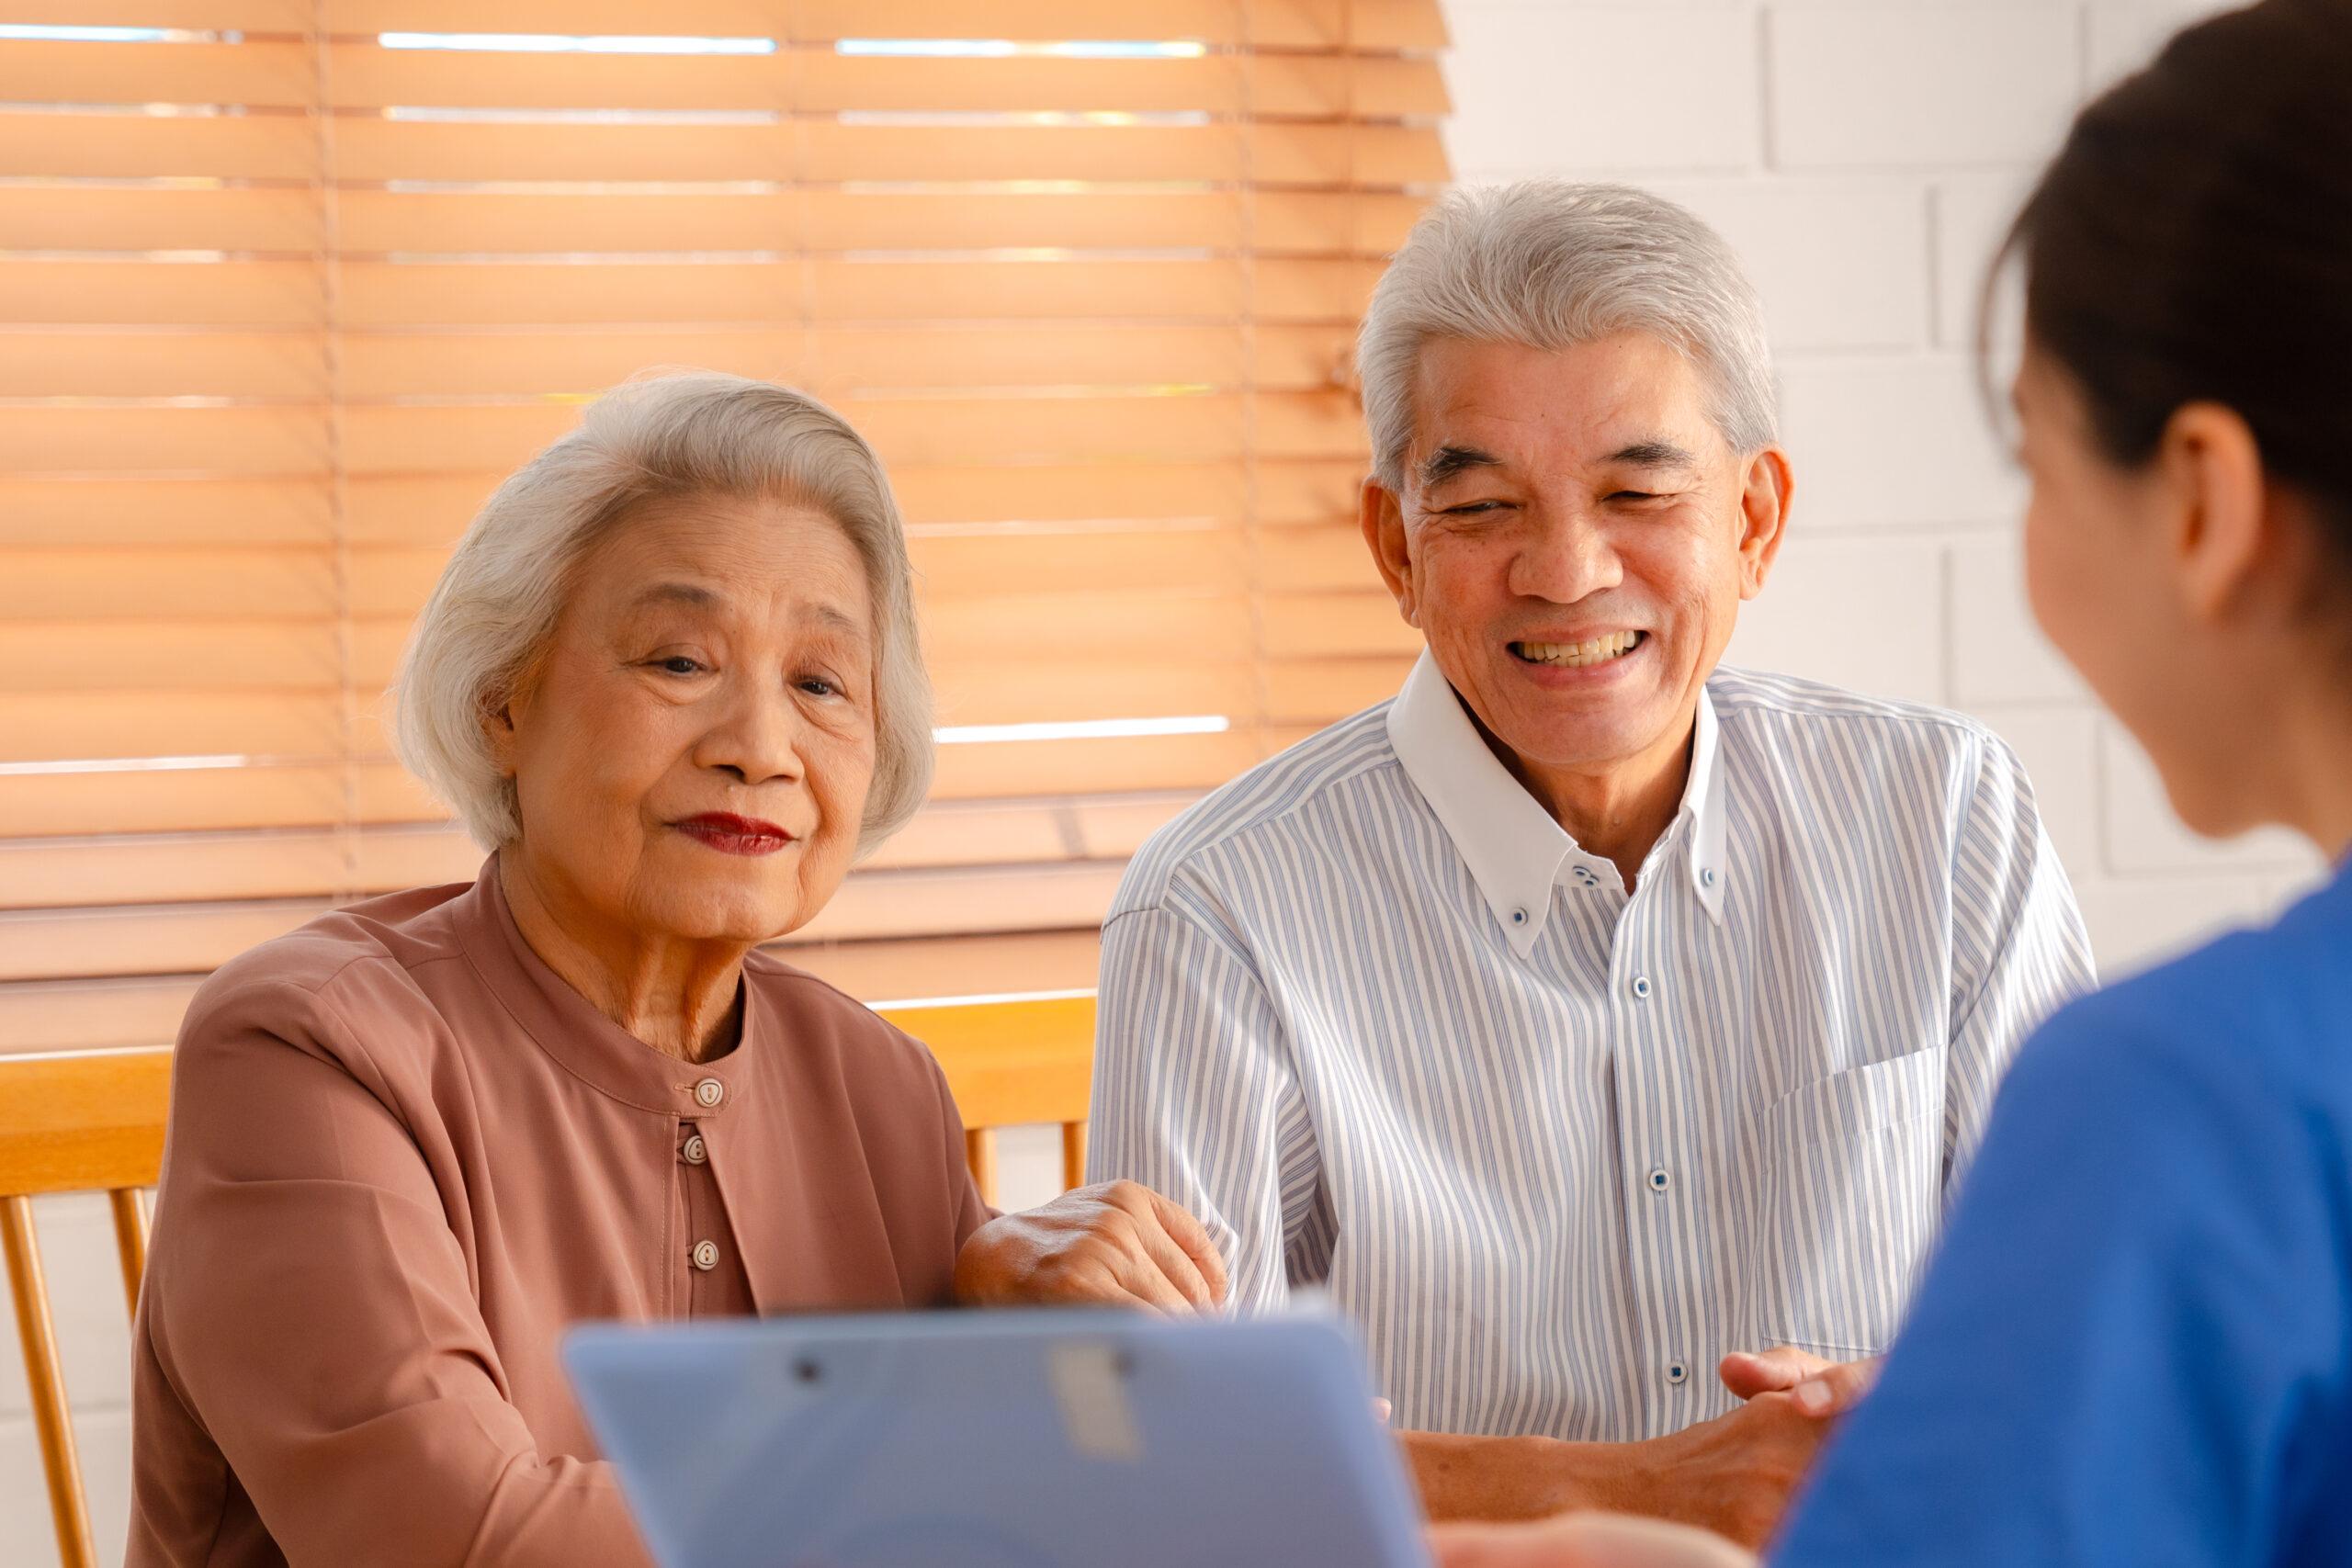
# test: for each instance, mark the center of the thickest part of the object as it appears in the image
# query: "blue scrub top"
(2134, 1347)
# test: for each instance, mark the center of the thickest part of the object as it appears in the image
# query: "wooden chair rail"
(93, 1121)
(85, 1122)
(1011, 1064)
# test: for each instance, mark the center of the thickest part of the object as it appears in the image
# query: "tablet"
(998, 1439)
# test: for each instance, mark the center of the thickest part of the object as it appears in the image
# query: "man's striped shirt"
(1554, 1146)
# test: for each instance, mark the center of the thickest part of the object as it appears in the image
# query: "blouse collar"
(582, 1040)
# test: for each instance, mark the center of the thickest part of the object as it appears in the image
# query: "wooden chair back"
(1013, 1064)
(79, 1122)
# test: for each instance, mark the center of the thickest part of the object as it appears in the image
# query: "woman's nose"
(758, 740)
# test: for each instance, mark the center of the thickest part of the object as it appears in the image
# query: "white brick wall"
(1865, 156)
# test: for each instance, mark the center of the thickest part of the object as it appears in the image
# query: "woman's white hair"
(1548, 264)
(696, 433)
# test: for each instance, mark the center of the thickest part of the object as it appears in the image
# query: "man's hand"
(1821, 1389)
(1733, 1475)
(1114, 1243)
(1584, 1541)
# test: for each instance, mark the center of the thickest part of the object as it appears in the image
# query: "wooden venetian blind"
(286, 285)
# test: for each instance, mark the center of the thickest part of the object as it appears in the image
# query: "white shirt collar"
(1515, 851)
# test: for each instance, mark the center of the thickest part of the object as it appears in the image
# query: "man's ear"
(1381, 513)
(2224, 517)
(1766, 490)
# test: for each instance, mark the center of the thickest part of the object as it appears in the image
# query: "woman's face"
(694, 750)
(2103, 574)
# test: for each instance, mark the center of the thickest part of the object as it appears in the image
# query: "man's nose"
(1569, 558)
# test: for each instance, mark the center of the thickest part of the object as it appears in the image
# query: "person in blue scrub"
(2135, 1347)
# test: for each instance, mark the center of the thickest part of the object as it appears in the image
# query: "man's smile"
(1599, 649)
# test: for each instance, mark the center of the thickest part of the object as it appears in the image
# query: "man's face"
(1574, 539)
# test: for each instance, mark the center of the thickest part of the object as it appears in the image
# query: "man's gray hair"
(690, 433)
(1548, 264)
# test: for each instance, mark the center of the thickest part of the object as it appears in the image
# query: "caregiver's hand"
(1821, 1389)
(1584, 1541)
(1114, 1243)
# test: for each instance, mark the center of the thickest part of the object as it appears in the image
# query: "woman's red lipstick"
(733, 835)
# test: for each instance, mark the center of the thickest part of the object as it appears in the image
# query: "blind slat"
(431, 510)
(95, 589)
(1289, 24)
(183, 938)
(72, 723)
(294, 439)
(836, 362)
(287, 147)
(63, 216)
(253, 15)
(213, 867)
(220, 798)
(289, 294)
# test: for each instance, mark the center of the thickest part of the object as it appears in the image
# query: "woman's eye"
(679, 664)
(817, 686)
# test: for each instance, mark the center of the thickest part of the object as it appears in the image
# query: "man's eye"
(1636, 495)
(1471, 508)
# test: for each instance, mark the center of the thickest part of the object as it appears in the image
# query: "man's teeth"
(1593, 651)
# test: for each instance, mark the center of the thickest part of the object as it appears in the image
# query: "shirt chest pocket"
(1852, 1168)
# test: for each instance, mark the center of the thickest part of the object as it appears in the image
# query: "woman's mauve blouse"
(403, 1156)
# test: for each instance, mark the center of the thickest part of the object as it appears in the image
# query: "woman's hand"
(1114, 1243)
(1585, 1540)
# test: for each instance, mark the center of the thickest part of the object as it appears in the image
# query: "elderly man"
(1585, 1014)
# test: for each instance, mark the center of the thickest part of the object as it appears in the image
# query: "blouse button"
(709, 1092)
(1675, 1373)
(705, 1256)
(1642, 988)
(696, 1151)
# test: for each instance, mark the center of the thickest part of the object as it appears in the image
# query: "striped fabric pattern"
(1556, 1153)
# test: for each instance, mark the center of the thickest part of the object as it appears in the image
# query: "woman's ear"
(2223, 524)
(498, 728)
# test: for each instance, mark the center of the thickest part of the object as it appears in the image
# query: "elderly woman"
(671, 679)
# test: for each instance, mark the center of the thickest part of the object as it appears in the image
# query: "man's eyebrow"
(1652, 454)
(1447, 461)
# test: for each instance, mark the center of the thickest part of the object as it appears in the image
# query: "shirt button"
(1675, 1373)
(1518, 917)
(709, 1092)
(1659, 1180)
(696, 1151)
(705, 1256)
(1706, 876)
(1642, 988)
